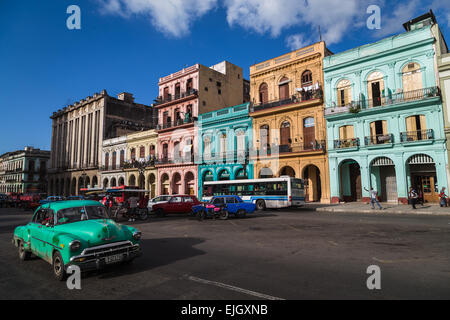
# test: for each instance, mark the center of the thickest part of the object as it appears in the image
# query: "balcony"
(288, 148)
(299, 98)
(414, 136)
(136, 164)
(225, 157)
(392, 99)
(159, 101)
(182, 159)
(379, 139)
(176, 123)
(346, 143)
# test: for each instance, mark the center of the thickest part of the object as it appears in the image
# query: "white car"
(160, 199)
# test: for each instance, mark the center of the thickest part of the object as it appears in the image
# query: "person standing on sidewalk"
(413, 197)
(373, 198)
(443, 198)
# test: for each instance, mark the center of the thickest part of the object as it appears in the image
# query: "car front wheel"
(58, 267)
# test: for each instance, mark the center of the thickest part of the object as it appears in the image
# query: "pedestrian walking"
(373, 198)
(413, 197)
(443, 202)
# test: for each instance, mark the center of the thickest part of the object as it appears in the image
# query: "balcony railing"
(182, 159)
(419, 135)
(288, 148)
(171, 98)
(379, 139)
(299, 98)
(136, 164)
(346, 143)
(391, 99)
(176, 123)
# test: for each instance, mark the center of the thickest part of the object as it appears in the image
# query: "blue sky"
(126, 45)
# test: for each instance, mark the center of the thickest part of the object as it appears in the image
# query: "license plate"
(114, 259)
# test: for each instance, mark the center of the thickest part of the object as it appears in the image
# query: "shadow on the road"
(155, 253)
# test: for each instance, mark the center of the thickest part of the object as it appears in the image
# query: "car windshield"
(76, 214)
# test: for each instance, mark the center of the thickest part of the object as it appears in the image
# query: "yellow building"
(288, 119)
(140, 165)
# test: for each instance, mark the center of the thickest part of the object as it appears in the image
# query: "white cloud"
(297, 41)
(269, 16)
(172, 17)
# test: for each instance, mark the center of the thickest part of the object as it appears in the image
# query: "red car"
(176, 204)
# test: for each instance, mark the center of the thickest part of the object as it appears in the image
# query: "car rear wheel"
(58, 267)
(223, 215)
(260, 205)
(23, 254)
(143, 214)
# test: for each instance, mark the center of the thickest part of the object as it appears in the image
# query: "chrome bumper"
(95, 258)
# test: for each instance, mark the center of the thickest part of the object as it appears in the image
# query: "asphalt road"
(292, 254)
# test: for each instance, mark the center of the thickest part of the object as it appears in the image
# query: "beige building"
(288, 119)
(78, 132)
(140, 161)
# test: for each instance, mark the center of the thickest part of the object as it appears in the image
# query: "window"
(133, 154)
(375, 87)
(166, 93)
(107, 160)
(240, 140)
(223, 142)
(344, 93)
(219, 84)
(142, 152)
(230, 200)
(346, 132)
(206, 88)
(412, 77)
(188, 199)
(189, 85)
(218, 201)
(122, 157)
(207, 146)
(378, 132)
(176, 200)
(264, 137)
(283, 87)
(219, 91)
(263, 93)
(285, 133)
(306, 78)
(114, 160)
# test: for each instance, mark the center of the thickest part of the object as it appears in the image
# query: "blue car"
(234, 205)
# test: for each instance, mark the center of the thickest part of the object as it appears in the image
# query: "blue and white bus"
(280, 192)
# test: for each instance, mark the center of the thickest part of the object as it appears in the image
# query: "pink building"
(182, 97)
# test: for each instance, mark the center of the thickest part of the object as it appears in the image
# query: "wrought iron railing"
(288, 148)
(176, 123)
(419, 135)
(175, 97)
(299, 98)
(379, 139)
(346, 143)
(388, 100)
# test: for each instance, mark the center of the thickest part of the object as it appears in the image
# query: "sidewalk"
(360, 207)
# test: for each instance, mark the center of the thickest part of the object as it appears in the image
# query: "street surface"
(289, 254)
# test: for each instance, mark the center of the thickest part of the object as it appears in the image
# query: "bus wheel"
(260, 205)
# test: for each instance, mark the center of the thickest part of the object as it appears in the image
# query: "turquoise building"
(384, 117)
(225, 137)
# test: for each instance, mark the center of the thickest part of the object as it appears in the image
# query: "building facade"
(140, 167)
(288, 119)
(385, 119)
(113, 159)
(78, 132)
(225, 138)
(24, 171)
(185, 95)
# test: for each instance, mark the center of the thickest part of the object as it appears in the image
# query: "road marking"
(398, 261)
(333, 243)
(233, 288)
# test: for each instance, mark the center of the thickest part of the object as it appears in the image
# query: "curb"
(350, 210)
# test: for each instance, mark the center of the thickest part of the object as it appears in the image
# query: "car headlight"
(137, 235)
(75, 245)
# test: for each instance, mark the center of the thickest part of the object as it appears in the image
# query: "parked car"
(157, 200)
(30, 201)
(234, 205)
(75, 198)
(176, 204)
(78, 233)
(3, 200)
(51, 199)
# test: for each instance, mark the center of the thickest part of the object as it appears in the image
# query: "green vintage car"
(76, 233)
